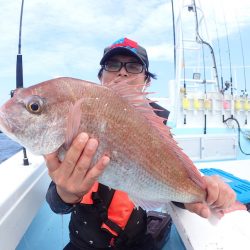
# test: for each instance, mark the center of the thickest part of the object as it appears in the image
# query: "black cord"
(239, 131)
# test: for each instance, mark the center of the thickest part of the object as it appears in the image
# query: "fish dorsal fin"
(141, 103)
(73, 123)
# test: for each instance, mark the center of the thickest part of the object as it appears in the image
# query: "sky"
(67, 38)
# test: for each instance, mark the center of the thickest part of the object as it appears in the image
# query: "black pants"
(146, 244)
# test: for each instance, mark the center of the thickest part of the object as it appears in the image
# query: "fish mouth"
(4, 123)
(6, 127)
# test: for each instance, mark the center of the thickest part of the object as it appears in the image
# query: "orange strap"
(87, 199)
(119, 210)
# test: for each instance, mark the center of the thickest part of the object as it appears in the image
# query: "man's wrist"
(68, 198)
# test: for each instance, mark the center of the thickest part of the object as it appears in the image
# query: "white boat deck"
(229, 233)
(22, 191)
(23, 188)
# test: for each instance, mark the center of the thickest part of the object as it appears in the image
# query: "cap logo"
(127, 43)
(122, 45)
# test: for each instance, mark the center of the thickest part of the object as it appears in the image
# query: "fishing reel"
(244, 93)
(227, 86)
(12, 93)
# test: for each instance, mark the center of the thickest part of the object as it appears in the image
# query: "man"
(98, 214)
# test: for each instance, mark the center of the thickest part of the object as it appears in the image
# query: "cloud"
(224, 15)
(48, 24)
(62, 37)
(160, 52)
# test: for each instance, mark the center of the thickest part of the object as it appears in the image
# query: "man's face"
(123, 74)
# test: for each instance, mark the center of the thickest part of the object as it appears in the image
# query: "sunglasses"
(116, 66)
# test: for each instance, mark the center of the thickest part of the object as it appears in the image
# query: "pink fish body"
(146, 162)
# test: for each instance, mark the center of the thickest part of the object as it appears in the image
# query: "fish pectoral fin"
(73, 123)
(146, 204)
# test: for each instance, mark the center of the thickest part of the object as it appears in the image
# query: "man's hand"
(219, 197)
(75, 175)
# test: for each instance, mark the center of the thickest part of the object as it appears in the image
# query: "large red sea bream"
(146, 162)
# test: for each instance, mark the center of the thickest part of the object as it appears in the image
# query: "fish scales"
(143, 147)
(143, 163)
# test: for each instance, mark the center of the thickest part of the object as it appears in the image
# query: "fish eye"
(35, 105)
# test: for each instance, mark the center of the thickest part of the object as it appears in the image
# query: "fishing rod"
(185, 101)
(230, 83)
(219, 51)
(200, 40)
(224, 103)
(174, 37)
(19, 72)
(19, 61)
(206, 102)
(243, 57)
(245, 93)
(204, 72)
(229, 56)
(243, 60)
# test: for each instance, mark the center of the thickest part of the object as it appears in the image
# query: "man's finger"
(84, 163)
(220, 195)
(199, 208)
(73, 154)
(52, 162)
(226, 197)
(93, 174)
(213, 189)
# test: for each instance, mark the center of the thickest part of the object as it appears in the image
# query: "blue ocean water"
(7, 147)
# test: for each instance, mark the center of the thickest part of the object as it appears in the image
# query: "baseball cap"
(125, 45)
